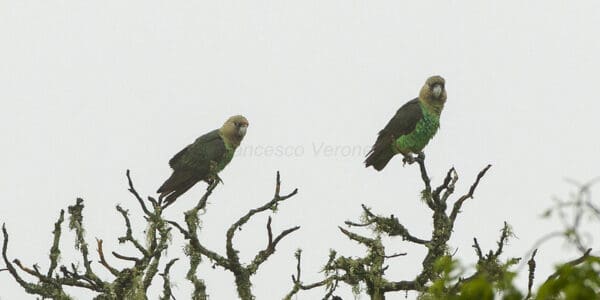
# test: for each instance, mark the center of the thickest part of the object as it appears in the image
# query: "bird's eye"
(236, 124)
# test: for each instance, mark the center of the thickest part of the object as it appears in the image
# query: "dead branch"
(370, 269)
(531, 273)
(231, 262)
(50, 283)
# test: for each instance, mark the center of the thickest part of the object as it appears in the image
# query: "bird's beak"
(242, 130)
(437, 90)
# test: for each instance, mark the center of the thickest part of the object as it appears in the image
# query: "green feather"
(425, 130)
(225, 159)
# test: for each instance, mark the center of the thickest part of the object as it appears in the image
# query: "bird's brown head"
(234, 129)
(433, 92)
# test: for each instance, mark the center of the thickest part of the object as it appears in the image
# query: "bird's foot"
(408, 159)
(219, 180)
(421, 156)
(214, 180)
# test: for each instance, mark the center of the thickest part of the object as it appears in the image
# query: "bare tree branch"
(128, 282)
(531, 264)
(231, 261)
(103, 259)
(136, 195)
(370, 269)
(167, 293)
(573, 262)
(458, 204)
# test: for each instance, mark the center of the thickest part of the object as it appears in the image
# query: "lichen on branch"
(369, 270)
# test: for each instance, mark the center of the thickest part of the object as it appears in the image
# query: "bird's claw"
(408, 159)
(219, 180)
(214, 180)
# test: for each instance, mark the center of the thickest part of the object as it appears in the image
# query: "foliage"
(573, 281)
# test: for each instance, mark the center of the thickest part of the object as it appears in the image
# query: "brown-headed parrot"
(411, 128)
(203, 159)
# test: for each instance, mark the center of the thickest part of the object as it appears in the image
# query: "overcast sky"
(90, 89)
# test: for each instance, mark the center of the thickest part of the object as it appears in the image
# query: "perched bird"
(411, 128)
(203, 159)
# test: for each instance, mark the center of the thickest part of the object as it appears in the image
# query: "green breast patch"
(227, 156)
(418, 139)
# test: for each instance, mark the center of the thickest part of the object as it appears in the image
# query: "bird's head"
(235, 128)
(433, 91)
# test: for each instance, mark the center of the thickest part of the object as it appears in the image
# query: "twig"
(538, 243)
(35, 272)
(123, 257)
(137, 196)
(395, 255)
(103, 261)
(263, 255)
(55, 250)
(447, 184)
(357, 237)
(531, 264)
(167, 293)
(426, 182)
(298, 285)
(574, 262)
(231, 252)
(503, 238)
(128, 233)
(477, 249)
(202, 202)
(391, 226)
(353, 224)
(458, 204)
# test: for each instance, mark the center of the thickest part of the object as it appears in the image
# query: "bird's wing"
(404, 122)
(207, 148)
(177, 157)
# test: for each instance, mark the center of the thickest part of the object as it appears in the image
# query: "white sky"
(89, 89)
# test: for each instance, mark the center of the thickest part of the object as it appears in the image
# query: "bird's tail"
(178, 183)
(379, 158)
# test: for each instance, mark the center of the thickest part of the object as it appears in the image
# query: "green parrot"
(204, 159)
(411, 128)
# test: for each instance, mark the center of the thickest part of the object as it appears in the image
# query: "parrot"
(203, 159)
(412, 127)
